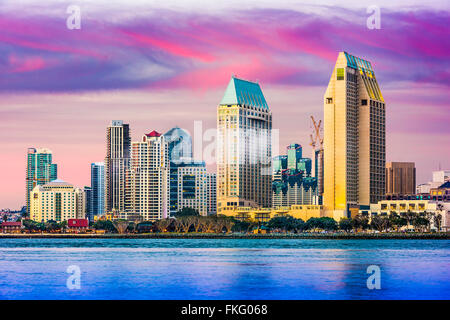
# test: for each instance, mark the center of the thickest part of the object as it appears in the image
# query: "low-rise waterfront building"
(303, 212)
(11, 227)
(402, 207)
(77, 225)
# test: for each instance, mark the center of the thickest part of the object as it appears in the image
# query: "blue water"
(224, 268)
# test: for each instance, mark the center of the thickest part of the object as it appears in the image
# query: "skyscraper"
(40, 170)
(87, 203)
(180, 144)
(211, 194)
(97, 201)
(400, 178)
(188, 177)
(292, 183)
(149, 177)
(318, 172)
(192, 184)
(117, 163)
(354, 138)
(244, 123)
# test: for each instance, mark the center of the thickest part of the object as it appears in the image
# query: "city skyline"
(294, 76)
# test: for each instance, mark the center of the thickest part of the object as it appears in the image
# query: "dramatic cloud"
(198, 51)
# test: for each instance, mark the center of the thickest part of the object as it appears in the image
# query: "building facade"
(211, 194)
(244, 125)
(180, 144)
(117, 162)
(40, 170)
(97, 201)
(439, 178)
(192, 187)
(292, 183)
(87, 203)
(402, 207)
(303, 212)
(400, 178)
(441, 193)
(354, 138)
(57, 201)
(149, 177)
(318, 172)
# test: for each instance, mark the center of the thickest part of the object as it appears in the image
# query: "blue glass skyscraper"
(97, 203)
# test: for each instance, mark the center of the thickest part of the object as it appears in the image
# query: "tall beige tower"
(244, 125)
(117, 163)
(354, 138)
(149, 177)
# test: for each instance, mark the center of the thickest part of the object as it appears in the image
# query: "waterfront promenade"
(171, 235)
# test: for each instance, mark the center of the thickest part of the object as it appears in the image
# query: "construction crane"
(316, 137)
(317, 153)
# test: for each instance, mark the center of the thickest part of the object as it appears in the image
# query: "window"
(329, 100)
(364, 102)
(340, 74)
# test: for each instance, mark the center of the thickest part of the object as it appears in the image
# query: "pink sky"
(160, 68)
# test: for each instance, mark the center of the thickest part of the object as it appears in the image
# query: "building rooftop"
(365, 68)
(9, 223)
(358, 63)
(153, 134)
(244, 92)
(445, 185)
(57, 183)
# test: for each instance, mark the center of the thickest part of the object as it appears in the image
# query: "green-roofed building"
(244, 123)
(40, 170)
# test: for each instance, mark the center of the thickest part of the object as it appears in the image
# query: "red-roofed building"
(11, 227)
(77, 225)
(153, 134)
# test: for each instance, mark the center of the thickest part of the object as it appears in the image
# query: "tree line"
(189, 220)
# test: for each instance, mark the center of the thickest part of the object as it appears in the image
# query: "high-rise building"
(87, 203)
(149, 177)
(192, 183)
(292, 183)
(180, 144)
(354, 138)
(211, 194)
(97, 202)
(400, 178)
(117, 162)
(40, 170)
(57, 201)
(244, 123)
(318, 172)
